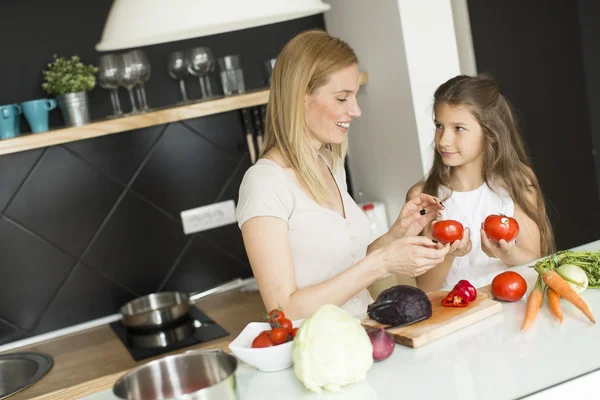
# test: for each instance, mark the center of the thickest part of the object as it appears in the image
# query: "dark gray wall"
(589, 15)
(534, 49)
(89, 225)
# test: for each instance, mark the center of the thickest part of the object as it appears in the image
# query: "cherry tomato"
(286, 324)
(275, 316)
(294, 331)
(278, 335)
(263, 340)
(447, 231)
(498, 226)
(509, 286)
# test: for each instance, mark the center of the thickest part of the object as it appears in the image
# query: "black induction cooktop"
(195, 328)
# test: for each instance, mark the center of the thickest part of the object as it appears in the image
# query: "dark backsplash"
(89, 225)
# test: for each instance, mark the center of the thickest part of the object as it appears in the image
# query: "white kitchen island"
(490, 360)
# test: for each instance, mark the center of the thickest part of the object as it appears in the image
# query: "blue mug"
(36, 113)
(10, 121)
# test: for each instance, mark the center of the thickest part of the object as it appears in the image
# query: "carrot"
(562, 288)
(534, 302)
(554, 303)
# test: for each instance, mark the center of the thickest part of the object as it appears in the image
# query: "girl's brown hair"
(304, 65)
(505, 156)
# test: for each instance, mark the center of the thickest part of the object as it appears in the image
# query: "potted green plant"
(69, 80)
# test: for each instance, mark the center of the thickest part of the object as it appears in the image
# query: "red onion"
(383, 343)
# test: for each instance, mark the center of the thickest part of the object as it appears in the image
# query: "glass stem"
(183, 91)
(132, 99)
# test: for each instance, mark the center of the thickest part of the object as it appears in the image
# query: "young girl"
(481, 168)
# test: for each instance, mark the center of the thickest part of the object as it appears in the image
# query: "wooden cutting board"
(444, 320)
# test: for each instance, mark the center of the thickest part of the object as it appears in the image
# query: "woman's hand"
(463, 246)
(495, 250)
(415, 215)
(413, 255)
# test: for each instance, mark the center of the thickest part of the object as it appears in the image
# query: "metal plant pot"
(74, 108)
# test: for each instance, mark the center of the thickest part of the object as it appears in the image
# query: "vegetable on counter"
(400, 305)
(461, 295)
(499, 226)
(509, 286)
(588, 261)
(331, 350)
(281, 331)
(575, 277)
(447, 231)
(554, 304)
(383, 343)
(553, 280)
(534, 302)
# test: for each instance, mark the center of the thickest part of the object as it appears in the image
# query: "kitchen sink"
(20, 370)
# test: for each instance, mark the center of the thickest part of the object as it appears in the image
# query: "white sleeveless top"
(471, 208)
(322, 242)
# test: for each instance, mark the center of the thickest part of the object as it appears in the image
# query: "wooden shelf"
(153, 117)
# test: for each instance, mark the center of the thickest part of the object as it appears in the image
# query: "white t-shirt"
(471, 209)
(322, 242)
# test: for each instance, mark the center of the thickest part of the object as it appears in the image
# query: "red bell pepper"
(461, 295)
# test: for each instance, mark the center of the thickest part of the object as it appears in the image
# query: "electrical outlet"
(208, 217)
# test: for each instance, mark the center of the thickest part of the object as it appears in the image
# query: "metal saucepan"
(194, 375)
(159, 309)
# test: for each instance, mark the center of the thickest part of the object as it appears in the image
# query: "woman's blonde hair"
(305, 64)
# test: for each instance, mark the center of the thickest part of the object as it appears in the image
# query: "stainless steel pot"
(194, 375)
(159, 309)
(156, 309)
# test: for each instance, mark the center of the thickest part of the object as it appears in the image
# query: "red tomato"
(263, 340)
(279, 335)
(286, 324)
(294, 331)
(509, 286)
(498, 226)
(275, 316)
(447, 231)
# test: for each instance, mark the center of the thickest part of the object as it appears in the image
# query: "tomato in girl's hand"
(509, 286)
(263, 340)
(447, 231)
(498, 226)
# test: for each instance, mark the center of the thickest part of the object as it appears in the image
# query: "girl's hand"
(495, 250)
(415, 215)
(463, 246)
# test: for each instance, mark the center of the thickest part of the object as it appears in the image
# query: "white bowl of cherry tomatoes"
(267, 345)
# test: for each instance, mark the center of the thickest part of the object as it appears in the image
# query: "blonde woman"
(306, 239)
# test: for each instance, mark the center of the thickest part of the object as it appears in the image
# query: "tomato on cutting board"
(509, 286)
(498, 226)
(447, 231)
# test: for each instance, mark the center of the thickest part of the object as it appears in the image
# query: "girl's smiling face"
(459, 138)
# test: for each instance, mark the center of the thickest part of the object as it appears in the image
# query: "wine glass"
(201, 60)
(108, 71)
(128, 76)
(177, 65)
(142, 68)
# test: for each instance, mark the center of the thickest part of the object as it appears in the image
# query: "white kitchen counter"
(489, 360)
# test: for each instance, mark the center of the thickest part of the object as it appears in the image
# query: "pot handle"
(218, 350)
